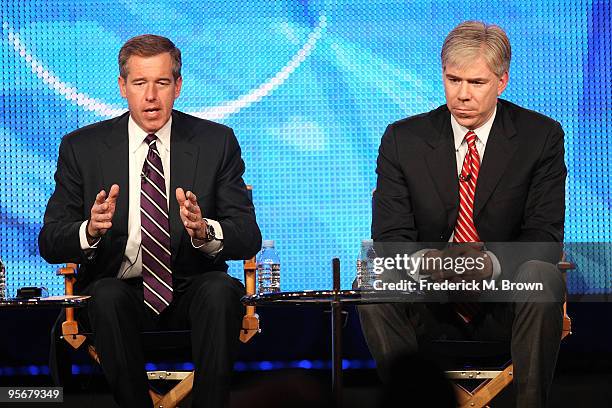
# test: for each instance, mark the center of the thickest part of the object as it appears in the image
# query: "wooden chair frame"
(72, 335)
(494, 381)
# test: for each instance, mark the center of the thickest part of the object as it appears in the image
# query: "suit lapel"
(442, 165)
(115, 171)
(500, 148)
(183, 163)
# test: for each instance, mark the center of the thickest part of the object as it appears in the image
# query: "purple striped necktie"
(155, 231)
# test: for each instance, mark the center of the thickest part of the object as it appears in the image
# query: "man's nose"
(151, 93)
(464, 91)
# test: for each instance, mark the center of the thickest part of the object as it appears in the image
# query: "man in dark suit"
(151, 260)
(477, 178)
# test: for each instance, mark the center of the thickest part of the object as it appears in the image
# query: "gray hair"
(472, 39)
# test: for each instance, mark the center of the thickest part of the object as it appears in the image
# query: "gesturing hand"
(101, 215)
(191, 215)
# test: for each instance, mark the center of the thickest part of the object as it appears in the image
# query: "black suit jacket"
(204, 158)
(520, 193)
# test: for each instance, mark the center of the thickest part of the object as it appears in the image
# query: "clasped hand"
(475, 263)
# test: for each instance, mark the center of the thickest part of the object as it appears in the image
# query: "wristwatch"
(210, 233)
(91, 240)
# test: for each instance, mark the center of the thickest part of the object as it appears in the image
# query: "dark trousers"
(209, 306)
(533, 324)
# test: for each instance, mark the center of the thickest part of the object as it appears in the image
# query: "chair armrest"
(70, 327)
(69, 273)
(564, 265)
(250, 321)
(250, 270)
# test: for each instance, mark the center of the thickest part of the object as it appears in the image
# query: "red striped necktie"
(465, 230)
(155, 231)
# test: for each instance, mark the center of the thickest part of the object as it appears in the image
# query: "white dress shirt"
(461, 146)
(461, 149)
(131, 265)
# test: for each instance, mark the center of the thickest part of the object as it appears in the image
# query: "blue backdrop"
(309, 87)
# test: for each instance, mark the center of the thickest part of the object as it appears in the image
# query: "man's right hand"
(102, 211)
(465, 250)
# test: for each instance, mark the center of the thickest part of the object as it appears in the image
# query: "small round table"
(43, 302)
(336, 298)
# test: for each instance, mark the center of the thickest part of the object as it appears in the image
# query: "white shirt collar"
(136, 135)
(482, 132)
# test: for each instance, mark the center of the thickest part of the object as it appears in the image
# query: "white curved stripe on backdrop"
(221, 111)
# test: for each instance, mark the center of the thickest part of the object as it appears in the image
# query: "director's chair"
(71, 334)
(490, 382)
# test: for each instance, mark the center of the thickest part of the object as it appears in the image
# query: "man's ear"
(503, 83)
(121, 81)
(177, 86)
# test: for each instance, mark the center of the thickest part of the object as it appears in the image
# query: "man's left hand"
(478, 256)
(482, 265)
(191, 215)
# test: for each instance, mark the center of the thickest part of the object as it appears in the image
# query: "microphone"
(466, 177)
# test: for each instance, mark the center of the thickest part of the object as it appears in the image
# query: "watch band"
(210, 233)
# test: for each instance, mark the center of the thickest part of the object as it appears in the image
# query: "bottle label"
(2, 281)
(268, 277)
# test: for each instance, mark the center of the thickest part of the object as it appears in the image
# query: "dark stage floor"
(583, 376)
(310, 387)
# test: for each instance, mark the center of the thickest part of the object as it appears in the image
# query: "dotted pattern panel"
(309, 87)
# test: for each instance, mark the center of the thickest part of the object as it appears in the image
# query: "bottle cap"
(367, 242)
(268, 243)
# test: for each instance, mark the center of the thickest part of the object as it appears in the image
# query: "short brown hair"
(149, 45)
(472, 39)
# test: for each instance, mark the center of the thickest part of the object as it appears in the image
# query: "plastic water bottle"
(268, 269)
(2, 280)
(365, 265)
